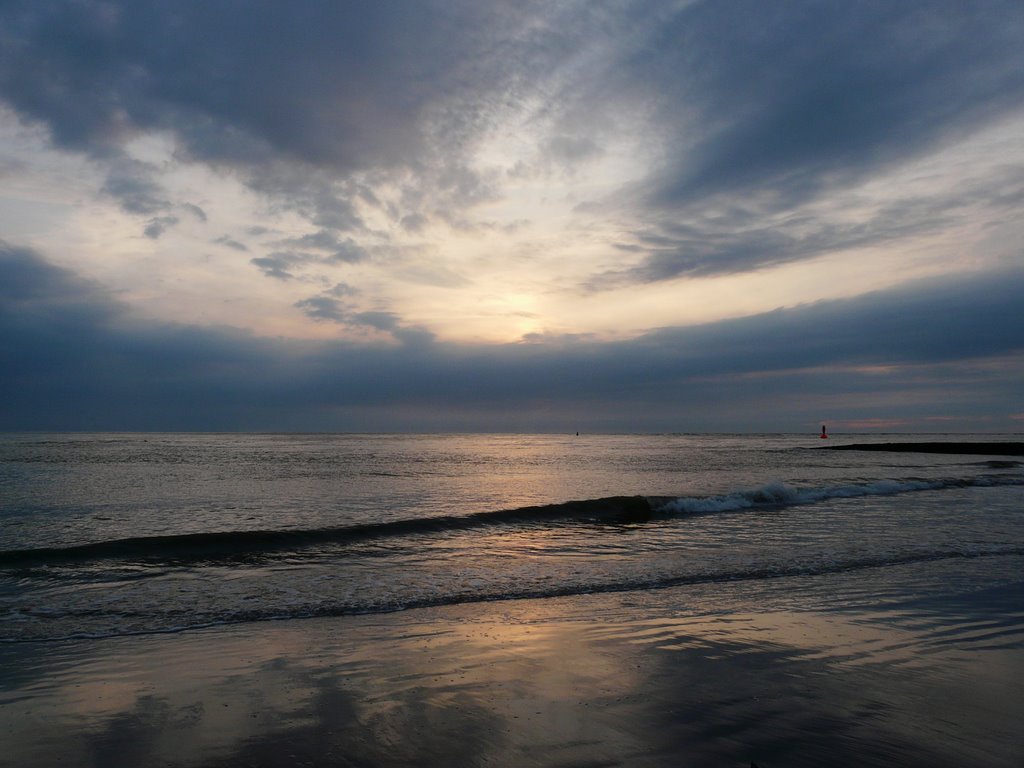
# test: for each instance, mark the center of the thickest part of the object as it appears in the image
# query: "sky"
(512, 216)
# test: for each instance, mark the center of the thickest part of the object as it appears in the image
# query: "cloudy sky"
(472, 215)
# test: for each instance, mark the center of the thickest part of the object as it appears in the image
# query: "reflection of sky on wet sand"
(592, 680)
(929, 683)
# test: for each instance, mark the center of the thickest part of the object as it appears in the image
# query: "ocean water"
(106, 535)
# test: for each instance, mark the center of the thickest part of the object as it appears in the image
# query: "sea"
(107, 535)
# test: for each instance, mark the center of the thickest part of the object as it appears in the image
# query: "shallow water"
(798, 671)
(604, 600)
(111, 534)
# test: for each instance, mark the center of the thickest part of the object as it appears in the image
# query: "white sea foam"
(780, 494)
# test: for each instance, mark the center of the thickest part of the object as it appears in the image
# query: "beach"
(511, 385)
(659, 678)
(219, 601)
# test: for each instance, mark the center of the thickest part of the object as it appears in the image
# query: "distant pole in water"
(824, 436)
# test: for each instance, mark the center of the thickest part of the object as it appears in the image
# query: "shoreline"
(967, 448)
(702, 677)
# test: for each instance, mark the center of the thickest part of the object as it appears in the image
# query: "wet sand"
(665, 678)
(972, 449)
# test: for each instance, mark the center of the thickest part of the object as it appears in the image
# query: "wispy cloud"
(555, 174)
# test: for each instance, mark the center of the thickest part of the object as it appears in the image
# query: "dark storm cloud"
(788, 98)
(737, 240)
(75, 358)
(297, 101)
(270, 89)
(756, 107)
(763, 117)
(237, 81)
(31, 286)
(765, 109)
(72, 355)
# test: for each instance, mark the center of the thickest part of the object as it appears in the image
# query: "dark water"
(114, 534)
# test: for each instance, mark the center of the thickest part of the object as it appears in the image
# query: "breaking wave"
(227, 546)
(781, 494)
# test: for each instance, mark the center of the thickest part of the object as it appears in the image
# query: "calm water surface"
(112, 534)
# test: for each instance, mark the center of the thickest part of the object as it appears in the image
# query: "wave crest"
(245, 546)
(779, 494)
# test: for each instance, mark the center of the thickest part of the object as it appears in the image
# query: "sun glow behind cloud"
(511, 266)
(474, 176)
